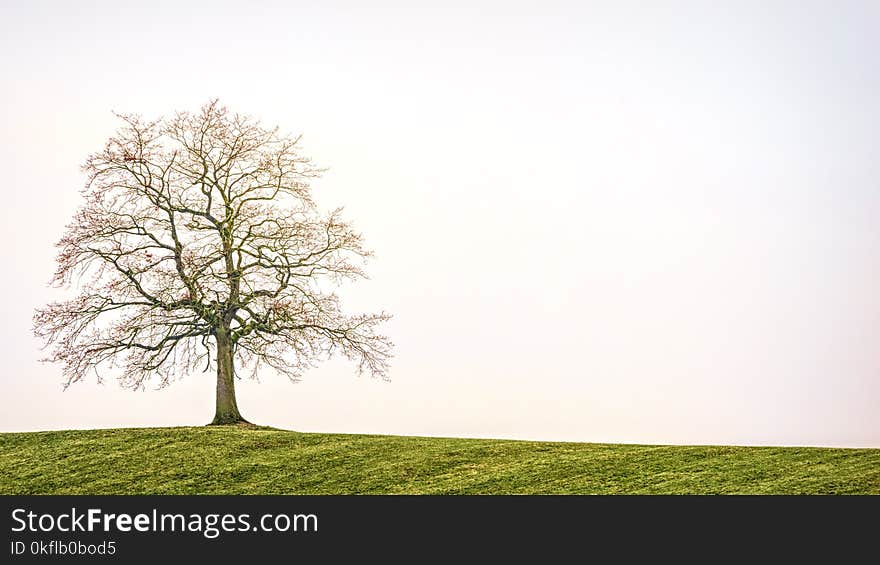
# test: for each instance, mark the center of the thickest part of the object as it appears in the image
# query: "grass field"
(230, 460)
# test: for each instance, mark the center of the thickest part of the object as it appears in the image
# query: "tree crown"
(200, 227)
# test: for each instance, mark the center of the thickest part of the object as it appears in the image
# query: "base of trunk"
(229, 421)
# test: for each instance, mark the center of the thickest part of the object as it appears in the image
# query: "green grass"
(230, 460)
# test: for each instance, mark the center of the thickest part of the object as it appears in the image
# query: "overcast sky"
(651, 222)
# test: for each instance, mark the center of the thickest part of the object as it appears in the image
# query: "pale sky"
(645, 222)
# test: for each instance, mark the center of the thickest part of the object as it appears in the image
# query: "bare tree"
(198, 245)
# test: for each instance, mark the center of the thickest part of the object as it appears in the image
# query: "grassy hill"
(230, 460)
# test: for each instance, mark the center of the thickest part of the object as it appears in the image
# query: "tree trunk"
(227, 408)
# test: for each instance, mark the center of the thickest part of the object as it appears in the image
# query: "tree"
(199, 245)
